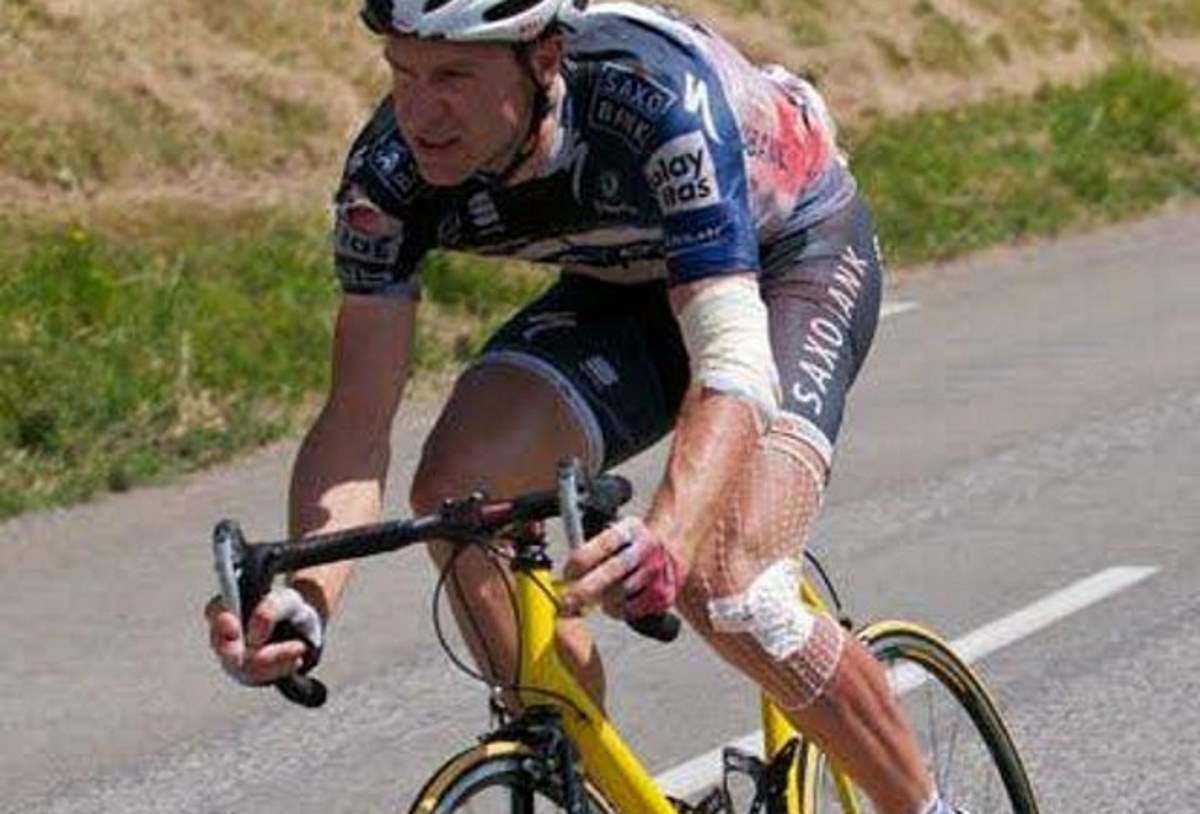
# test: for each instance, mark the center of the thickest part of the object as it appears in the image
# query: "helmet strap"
(538, 110)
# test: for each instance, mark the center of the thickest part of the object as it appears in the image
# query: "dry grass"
(112, 104)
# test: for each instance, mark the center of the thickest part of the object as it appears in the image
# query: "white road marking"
(703, 771)
(891, 309)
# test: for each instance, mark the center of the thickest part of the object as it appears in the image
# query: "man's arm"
(719, 423)
(337, 480)
(732, 399)
(716, 434)
(340, 473)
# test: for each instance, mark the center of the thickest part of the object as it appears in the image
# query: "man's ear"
(546, 58)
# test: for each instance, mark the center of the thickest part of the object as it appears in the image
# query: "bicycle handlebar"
(246, 570)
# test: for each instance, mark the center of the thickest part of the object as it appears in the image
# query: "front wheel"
(503, 777)
(965, 742)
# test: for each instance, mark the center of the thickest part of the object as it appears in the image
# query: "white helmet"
(466, 20)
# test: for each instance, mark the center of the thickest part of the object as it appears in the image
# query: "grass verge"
(125, 358)
(950, 182)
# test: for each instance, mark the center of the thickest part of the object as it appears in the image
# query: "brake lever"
(228, 552)
(664, 626)
(233, 578)
(568, 502)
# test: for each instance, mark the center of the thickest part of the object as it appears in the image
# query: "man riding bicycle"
(721, 278)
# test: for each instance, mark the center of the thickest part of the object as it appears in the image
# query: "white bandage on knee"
(728, 341)
(808, 646)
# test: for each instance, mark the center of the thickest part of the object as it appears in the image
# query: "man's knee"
(743, 594)
(440, 477)
(460, 455)
(791, 649)
(502, 432)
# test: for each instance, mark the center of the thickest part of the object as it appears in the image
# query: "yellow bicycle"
(561, 753)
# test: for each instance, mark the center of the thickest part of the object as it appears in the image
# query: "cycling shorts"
(615, 354)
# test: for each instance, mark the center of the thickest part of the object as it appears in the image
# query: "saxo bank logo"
(682, 175)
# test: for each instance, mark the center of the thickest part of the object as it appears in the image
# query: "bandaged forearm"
(725, 330)
(714, 437)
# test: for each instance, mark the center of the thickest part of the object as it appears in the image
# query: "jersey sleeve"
(377, 242)
(695, 168)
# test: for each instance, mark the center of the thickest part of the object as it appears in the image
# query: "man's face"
(462, 107)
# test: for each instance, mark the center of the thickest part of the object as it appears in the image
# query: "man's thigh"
(502, 431)
(823, 294)
(611, 353)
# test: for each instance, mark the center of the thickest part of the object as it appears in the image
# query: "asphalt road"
(1033, 420)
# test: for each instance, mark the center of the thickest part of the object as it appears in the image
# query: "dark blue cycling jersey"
(674, 157)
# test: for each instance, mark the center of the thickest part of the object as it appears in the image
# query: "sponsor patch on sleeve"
(367, 245)
(395, 168)
(682, 175)
(366, 234)
(627, 104)
(697, 233)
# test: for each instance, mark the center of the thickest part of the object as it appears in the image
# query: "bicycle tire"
(496, 778)
(921, 664)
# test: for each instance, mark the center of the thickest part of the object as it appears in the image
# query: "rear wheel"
(963, 737)
(498, 778)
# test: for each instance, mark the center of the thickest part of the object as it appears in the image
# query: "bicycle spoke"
(962, 740)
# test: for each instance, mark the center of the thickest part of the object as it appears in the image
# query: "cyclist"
(721, 277)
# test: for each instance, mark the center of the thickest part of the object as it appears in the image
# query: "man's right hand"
(253, 660)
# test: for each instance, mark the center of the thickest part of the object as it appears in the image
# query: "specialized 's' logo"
(695, 101)
(682, 175)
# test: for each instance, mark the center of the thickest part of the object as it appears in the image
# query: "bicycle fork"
(553, 762)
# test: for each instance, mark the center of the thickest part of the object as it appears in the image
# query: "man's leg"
(742, 595)
(503, 431)
(822, 291)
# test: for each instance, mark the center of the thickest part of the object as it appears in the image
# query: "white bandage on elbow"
(726, 334)
(806, 645)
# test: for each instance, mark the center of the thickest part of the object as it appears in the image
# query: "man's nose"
(423, 108)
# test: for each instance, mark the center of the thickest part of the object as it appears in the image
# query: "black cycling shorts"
(615, 354)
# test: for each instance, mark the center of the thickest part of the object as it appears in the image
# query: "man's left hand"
(627, 568)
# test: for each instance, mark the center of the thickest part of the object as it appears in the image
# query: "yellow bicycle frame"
(608, 761)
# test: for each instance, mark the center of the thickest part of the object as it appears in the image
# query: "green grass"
(119, 363)
(122, 361)
(948, 182)
(126, 358)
